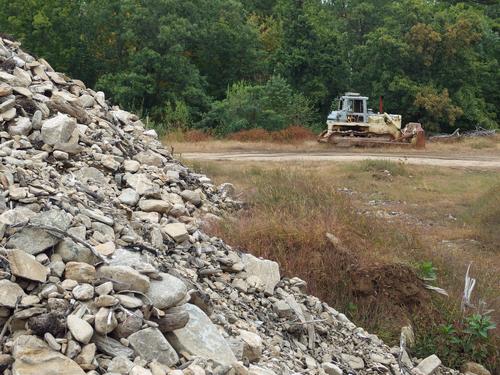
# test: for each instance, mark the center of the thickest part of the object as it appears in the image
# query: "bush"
(271, 106)
(292, 134)
(192, 136)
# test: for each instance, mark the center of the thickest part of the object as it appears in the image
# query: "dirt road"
(456, 161)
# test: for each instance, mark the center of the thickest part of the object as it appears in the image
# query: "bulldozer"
(354, 124)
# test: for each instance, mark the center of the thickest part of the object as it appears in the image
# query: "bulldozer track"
(487, 162)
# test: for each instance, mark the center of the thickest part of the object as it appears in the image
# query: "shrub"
(292, 134)
(251, 135)
(195, 135)
(271, 106)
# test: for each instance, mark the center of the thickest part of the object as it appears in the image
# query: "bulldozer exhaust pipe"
(381, 104)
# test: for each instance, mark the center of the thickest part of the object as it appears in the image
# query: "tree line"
(228, 65)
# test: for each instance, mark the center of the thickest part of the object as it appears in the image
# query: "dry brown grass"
(442, 213)
(488, 146)
(290, 135)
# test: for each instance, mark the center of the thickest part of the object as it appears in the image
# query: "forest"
(230, 65)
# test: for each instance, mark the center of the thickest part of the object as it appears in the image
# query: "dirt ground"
(470, 147)
(481, 152)
(434, 159)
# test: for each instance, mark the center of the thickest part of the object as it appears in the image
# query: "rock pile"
(104, 268)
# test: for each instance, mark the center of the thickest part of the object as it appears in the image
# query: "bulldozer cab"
(353, 108)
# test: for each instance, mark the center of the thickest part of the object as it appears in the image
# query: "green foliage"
(270, 106)
(460, 342)
(427, 270)
(435, 62)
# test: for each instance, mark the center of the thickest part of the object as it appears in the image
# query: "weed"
(193, 136)
(380, 166)
(292, 134)
(427, 270)
(484, 215)
(291, 206)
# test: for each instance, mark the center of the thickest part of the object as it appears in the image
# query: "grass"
(302, 142)
(445, 217)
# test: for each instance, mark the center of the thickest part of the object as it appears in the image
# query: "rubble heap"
(104, 268)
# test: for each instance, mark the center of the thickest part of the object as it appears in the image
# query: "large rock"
(129, 197)
(105, 321)
(9, 293)
(25, 265)
(58, 129)
(35, 240)
(81, 272)
(34, 357)
(201, 338)
(256, 370)
(167, 292)
(191, 196)
(22, 126)
(140, 183)
(177, 231)
(155, 205)
(266, 270)
(429, 365)
(111, 347)
(151, 345)
(474, 368)
(80, 329)
(252, 345)
(124, 278)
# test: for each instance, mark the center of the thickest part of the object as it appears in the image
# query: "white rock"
(9, 293)
(252, 345)
(151, 345)
(124, 278)
(331, 369)
(429, 365)
(167, 292)
(129, 197)
(80, 329)
(58, 129)
(33, 357)
(105, 321)
(155, 205)
(201, 338)
(25, 265)
(177, 231)
(131, 166)
(83, 292)
(81, 272)
(267, 270)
